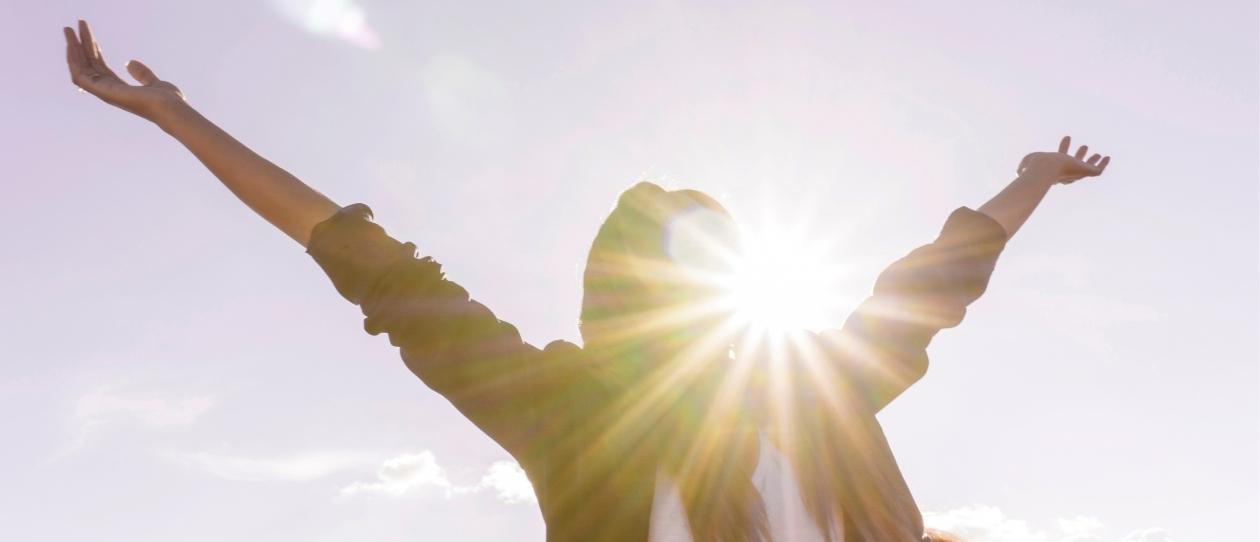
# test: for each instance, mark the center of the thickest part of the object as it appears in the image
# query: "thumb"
(141, 73)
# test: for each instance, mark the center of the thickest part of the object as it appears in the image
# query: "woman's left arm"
(1038, 172)
(882, 347)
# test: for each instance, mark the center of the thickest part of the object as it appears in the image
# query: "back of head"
(651, 299)
(648, 274)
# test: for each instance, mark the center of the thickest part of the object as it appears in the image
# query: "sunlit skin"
(752, 299)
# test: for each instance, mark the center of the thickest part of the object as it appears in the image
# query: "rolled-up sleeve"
(883, 344)
(453, 343)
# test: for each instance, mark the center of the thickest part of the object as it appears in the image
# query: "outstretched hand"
(89, 71)
(1061, 167)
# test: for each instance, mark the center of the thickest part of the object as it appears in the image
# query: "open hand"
(1062, 168)
(89, 71)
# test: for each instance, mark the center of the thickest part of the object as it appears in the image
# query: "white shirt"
(775, 481)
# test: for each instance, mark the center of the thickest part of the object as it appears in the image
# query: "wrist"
(169, 116)
(1038, 178)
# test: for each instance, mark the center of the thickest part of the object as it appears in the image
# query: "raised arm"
(450, 341)
(453, 343)
(882, 347)
(1038, 172)
(279, 197)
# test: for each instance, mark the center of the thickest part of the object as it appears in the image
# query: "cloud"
(1081, 529)
(409, 473)
(341, 19)
(980, 523)
(99, 407)
(509, 482)
(100, 404)
(293, 468)
(1147, 535)
(404, 473)
(983, 524)
(397, 476)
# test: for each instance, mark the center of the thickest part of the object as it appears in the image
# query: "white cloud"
(983, 524)
(1081, 529)
(401, 474)
(980, 523)
(409, 473)
(100, 407)
(100, 404)
(1147, 535)
(395, 477)
(509, 482)
(293, 468)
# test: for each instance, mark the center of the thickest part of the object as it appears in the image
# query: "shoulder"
(565, 367)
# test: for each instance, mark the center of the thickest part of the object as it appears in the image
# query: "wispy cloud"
(982, 523)
(397, 476)
(99, 405)
(408, 473)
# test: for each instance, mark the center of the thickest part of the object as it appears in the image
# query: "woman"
(667, 424)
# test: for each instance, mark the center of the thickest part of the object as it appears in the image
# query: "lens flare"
(773, 282)
(779, 284)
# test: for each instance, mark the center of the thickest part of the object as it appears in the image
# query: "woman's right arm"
(279, 197)
(512, 391)
(450, 341)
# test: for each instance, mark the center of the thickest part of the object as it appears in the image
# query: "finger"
(72, 45)
(79, 68)
(1023, 164)
(88, 43)
(71, 39)
(1080, 153)
(74, 50)
(1103, 164)
(1093, 160)
(141, 73)
(93, 49)
(1064, 144)
(87, 48)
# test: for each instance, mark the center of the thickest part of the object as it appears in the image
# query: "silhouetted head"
(652, 280)
(657, 291)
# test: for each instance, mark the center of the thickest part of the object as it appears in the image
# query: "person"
(668, 423)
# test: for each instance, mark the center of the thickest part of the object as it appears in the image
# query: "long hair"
(647, 316)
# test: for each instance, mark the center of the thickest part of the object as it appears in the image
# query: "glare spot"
(342, 19)
(780, 284)
(774, 282)
(466, 101)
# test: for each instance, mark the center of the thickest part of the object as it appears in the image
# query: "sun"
(780, 284)
(772, 281)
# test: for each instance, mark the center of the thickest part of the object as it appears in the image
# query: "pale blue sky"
(175, 369)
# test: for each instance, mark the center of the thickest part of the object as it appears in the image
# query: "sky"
(175, 369)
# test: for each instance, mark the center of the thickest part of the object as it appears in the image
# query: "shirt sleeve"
(453, 343)
(883, 344)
